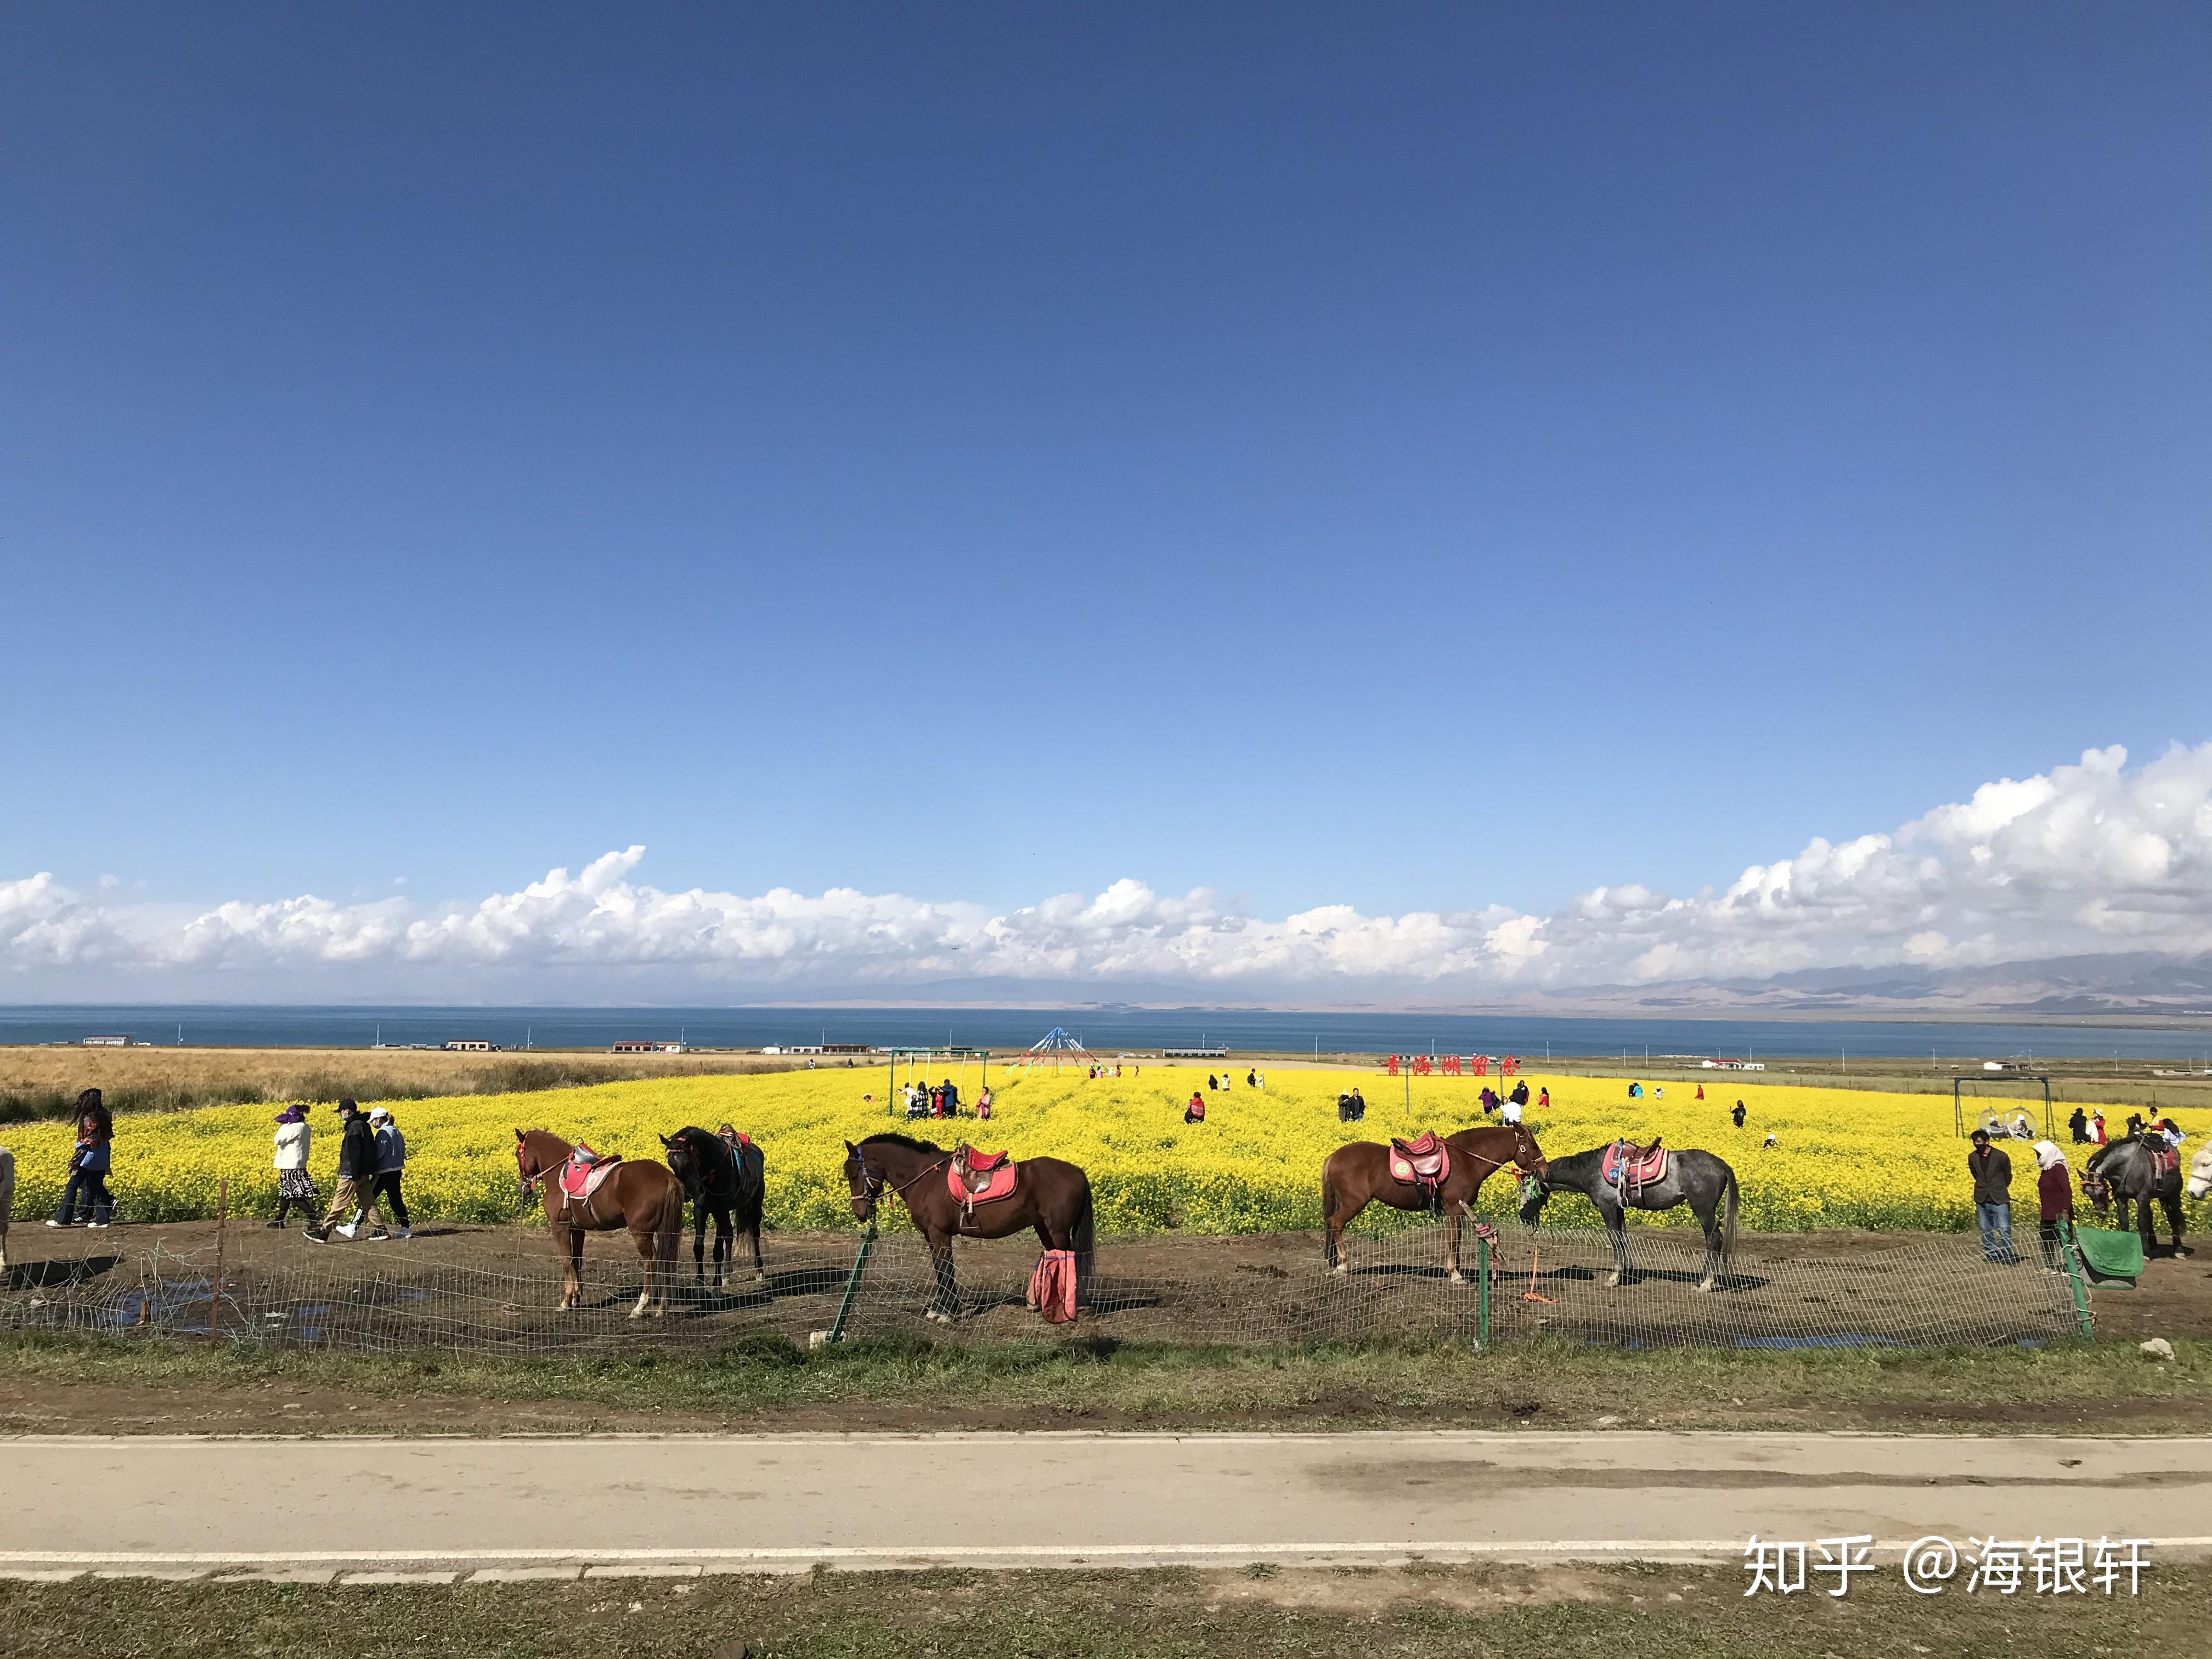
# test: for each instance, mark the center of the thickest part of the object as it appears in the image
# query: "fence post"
(2072, 1254)
(1482, 1293)
(852, 1286)
(222, 1226)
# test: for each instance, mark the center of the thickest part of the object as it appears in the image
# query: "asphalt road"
(311, 1508)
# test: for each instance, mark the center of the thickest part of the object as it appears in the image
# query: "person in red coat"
(2054, 1186)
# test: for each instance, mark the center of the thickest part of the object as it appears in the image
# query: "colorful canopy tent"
(1058, 1047)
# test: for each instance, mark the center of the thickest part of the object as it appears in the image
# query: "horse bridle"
(875, 1182)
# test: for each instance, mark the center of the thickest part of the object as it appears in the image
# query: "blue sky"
(1412, 457)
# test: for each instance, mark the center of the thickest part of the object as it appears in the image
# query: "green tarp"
(2109, 1254)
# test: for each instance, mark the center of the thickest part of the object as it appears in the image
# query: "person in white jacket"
(295, 1188)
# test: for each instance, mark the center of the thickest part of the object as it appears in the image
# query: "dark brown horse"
(641, 1195)
(1359, 1175)
(1050, 1194)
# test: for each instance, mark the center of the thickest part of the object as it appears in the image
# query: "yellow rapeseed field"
(1845, 1157)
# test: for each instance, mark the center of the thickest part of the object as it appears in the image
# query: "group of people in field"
(941, 1100)
(1990, 1167)
(372, 1163)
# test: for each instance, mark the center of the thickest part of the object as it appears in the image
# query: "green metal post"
(2072, 1256)
(1482, 1293)
(852, 1285)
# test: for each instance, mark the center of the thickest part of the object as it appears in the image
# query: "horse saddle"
(977, 1177)
(586, 1171)
(1627, 1165)
(1424, 1161)
(2164, 1160)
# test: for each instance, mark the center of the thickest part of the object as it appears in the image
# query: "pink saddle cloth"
(974, 1177)
(1629, 1164)
(581, 1176)
(1423, 1161)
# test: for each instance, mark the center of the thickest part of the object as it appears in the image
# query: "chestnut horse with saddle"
(594, 1192)
(965, 1193)
(1431, 1172)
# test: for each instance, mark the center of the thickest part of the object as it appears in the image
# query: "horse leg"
(1616, 1233)
(1710, 1221)
(944, 1306)
(699, 1246)
(648, 1253)
(1452, 1214)
(725, 1247)
(1337, 1222)
(572, 1267)
(753, 1232)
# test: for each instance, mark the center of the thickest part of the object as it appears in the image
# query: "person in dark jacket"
(356, 1177)
(1991, 1169)
(391, 1165)
(1738, 1115)
(2054, 1188)
(1520, 1095)
(2078, 1126)
(86, 1200)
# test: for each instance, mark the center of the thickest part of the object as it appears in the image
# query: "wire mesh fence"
(495, 1291)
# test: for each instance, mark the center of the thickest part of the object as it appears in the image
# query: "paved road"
(556, 1507)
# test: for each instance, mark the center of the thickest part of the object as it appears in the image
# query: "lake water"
(1002, 1028)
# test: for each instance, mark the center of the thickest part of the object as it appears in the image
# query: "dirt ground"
(492, 1288)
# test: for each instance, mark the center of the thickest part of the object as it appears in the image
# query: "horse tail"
(1327, 1209)
(1727, 1220)
(1081, 1238)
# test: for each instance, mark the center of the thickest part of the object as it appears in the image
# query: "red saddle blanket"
(2164, 1160)
(974, 1177)
(1424, 1161)
(581, 1177)
(1629, 1164)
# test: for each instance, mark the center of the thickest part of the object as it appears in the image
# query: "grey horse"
(2126, 1172)
(1695, 1178)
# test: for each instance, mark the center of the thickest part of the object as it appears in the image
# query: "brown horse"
(1358, 1175)
(1050, 1194)
(643, 1196)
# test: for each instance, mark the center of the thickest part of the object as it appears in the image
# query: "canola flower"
(1845, 1157)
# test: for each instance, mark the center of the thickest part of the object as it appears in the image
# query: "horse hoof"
(1457, 1276)
(1341, 1267)
(1613, 1281)
(1707, 1285)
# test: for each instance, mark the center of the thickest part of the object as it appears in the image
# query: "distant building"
(108, 1042)
(472, 1046)
(633, 1046)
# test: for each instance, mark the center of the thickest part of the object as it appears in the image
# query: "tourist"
(1521, 1094)
(1772, 1142)
(983, 1103)
(1509, 1112)
(951, 1093)
(2055, 1188)
(1258, 1079)
(1359, 1104)
(2078, 1127)
(391, 1165)
(90, 1159)
(936, 1101)
(357, 1174)
(1252, 1078)
(1343, 1108)
(1738, 1115)
(1196, 1111)
(2097, 1126)
(1991, 1169)
(1489, 1099)
(295, 1188)
(1636, 1091)
(1212, 1081)
(2134, 1123)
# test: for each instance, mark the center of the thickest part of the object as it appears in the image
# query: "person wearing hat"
(1991, 1169)
(390, 1161)
(2054, 1186)
(295, 1188)
(357, 1174)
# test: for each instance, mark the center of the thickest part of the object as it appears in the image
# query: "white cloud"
(2087, 858)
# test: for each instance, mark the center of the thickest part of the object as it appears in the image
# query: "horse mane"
(906, 1142)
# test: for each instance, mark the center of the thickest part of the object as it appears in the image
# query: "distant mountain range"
(2135, 987)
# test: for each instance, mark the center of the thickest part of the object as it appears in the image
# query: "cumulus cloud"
(2087, 858)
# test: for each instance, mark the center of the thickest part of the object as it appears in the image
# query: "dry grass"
(43, 1081)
